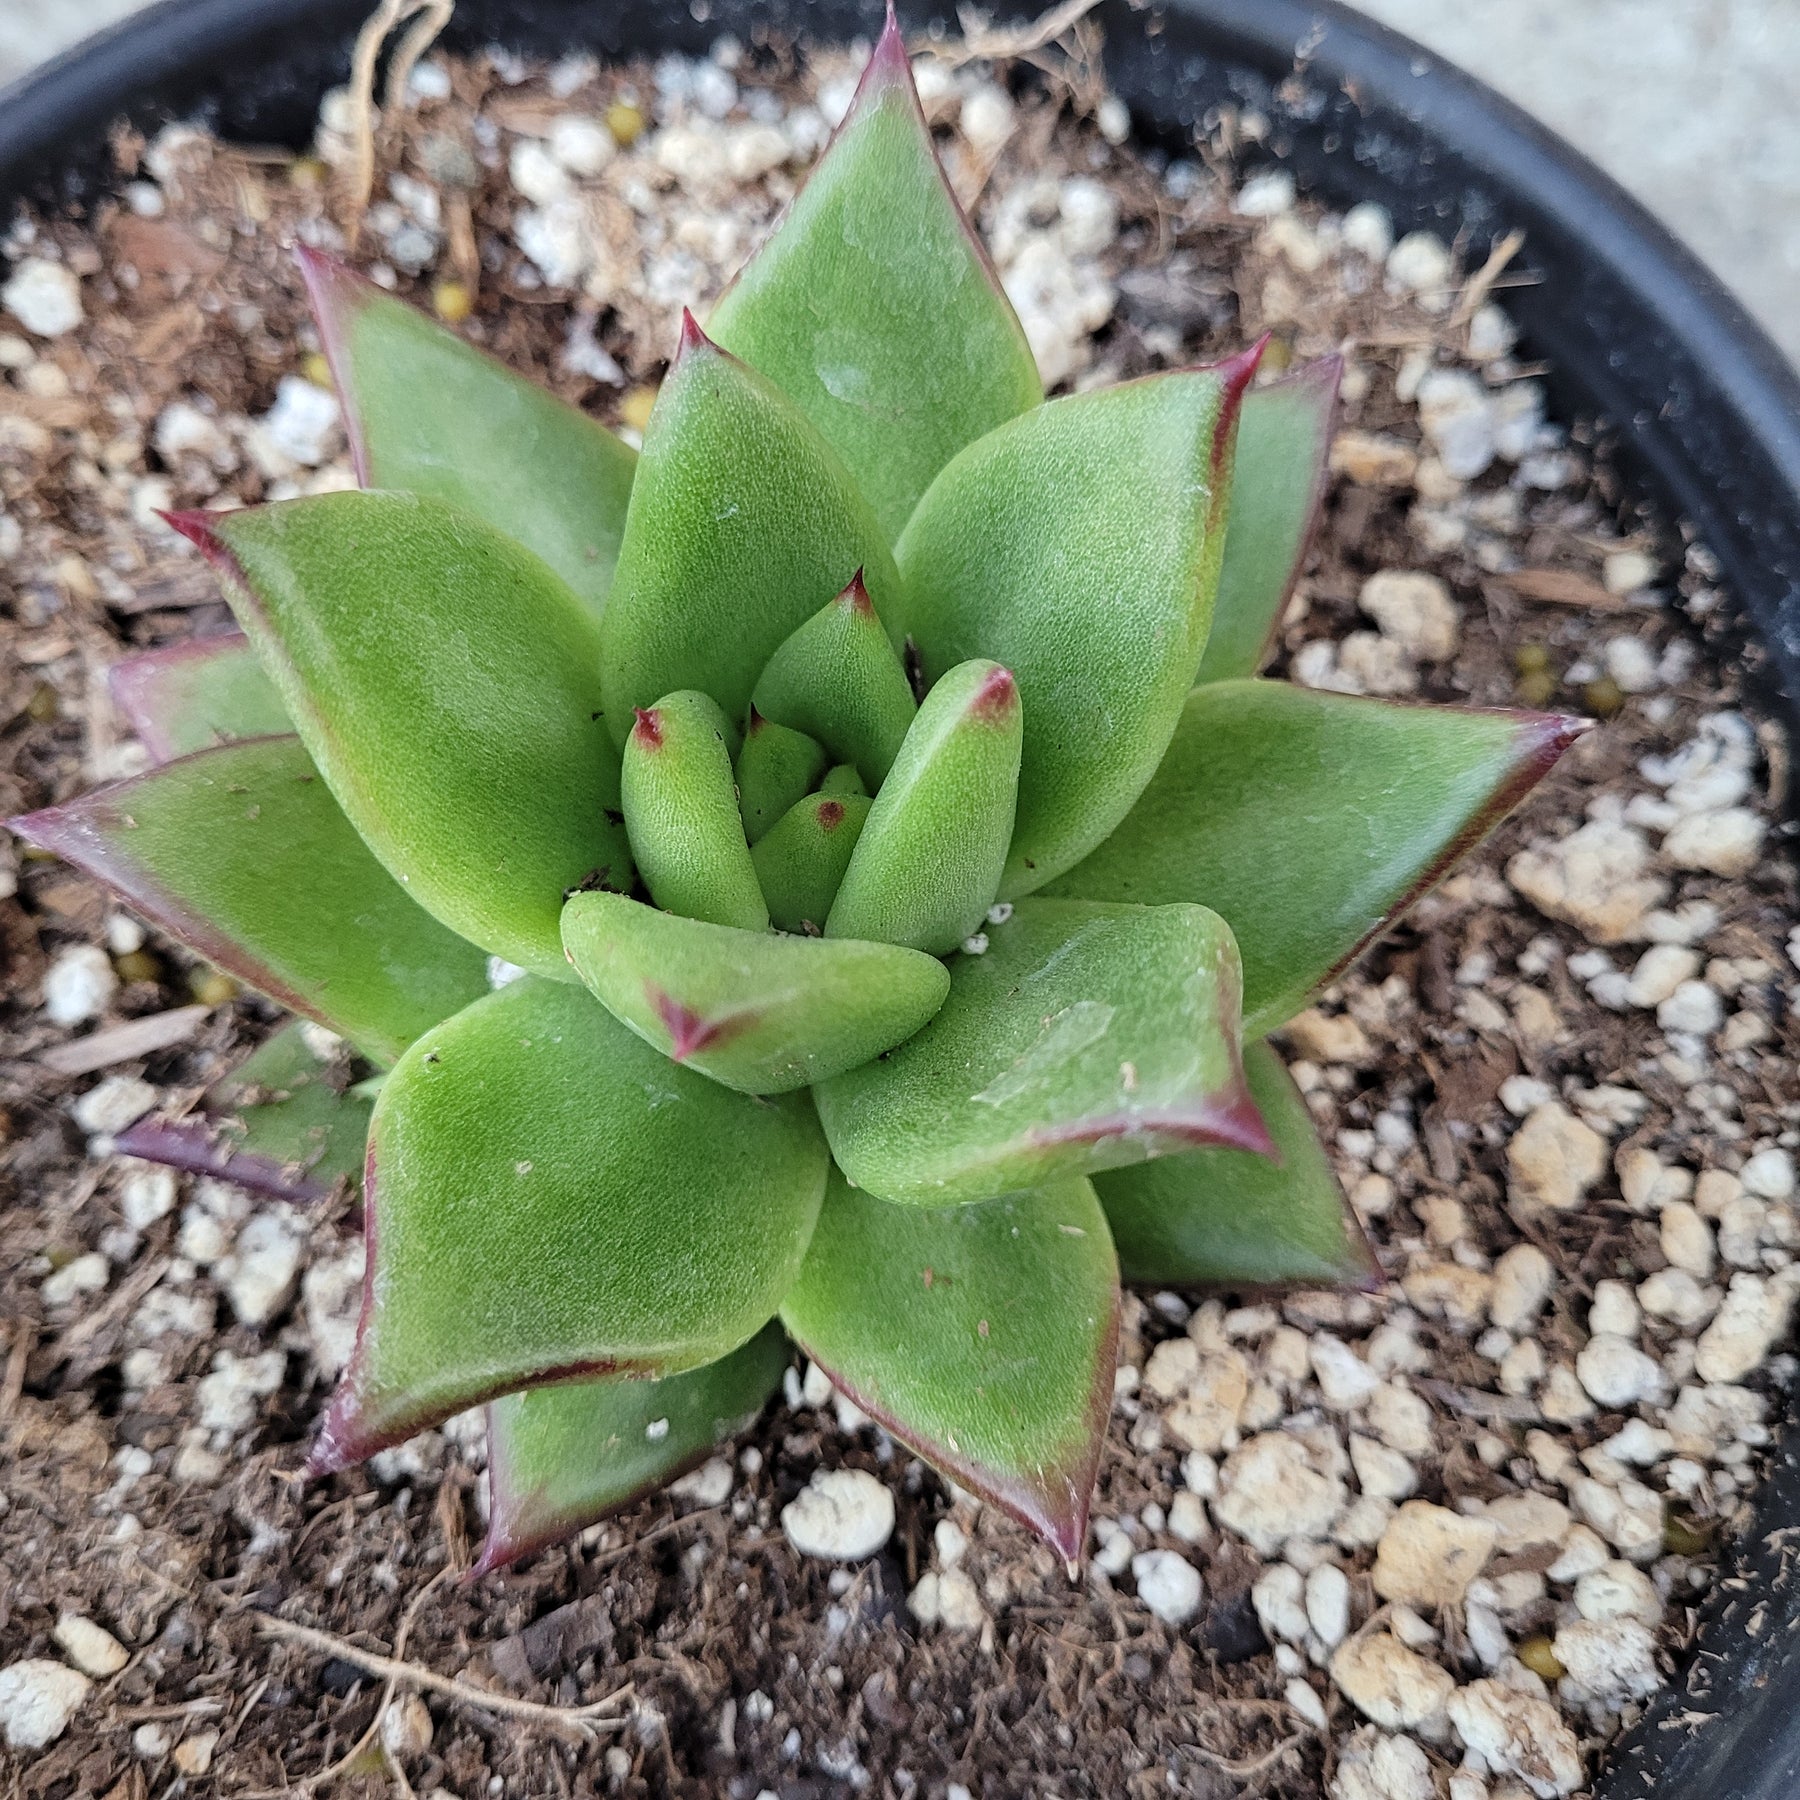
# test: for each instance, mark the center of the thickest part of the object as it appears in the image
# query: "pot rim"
(1705, 412)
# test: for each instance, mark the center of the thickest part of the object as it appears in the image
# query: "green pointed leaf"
(875, 307)
(447, 686)
(742, 525)
(838, 679)
(430, 414)
(284, 1123)
(682, 813)
(927, 865)
(562, 1457)
(844, 780)
(195, 694)
(800, 864)
(1086, 1037)
(775, 770)
(547, 1196)
(1277, 482)
(763, 1014)
(983, 1337)
(242, 854)
(1225, 1218)
(1311, 821)
(1079, 546)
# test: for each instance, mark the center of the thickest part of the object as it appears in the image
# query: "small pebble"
(44, 297)
(841, 1514)
(38, 1698)
(112, 1104)
(90, 1647)
(1168, 1584)
(79, 985)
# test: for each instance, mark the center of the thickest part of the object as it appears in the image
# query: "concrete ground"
(1690, 103)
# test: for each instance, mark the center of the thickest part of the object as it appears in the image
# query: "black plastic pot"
(1704, 411)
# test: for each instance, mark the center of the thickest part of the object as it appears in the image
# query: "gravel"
(841, 1514)
(38, 1698)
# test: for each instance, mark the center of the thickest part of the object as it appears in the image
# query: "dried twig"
(980, 42)
(124, 1043)
(307, 1783)
(1243, 1771)
(576, 1721)
(1561, 587)
(429, 17)
(1479, 285)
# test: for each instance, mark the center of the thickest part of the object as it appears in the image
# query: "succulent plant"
(835, 872)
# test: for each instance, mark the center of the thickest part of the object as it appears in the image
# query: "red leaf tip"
(692, 337)
(1235, 1122)
(997, 698)
(200, 528)
(855, 598)
(1238, 371)
(648, 729)
(830, 814)
(888, 67)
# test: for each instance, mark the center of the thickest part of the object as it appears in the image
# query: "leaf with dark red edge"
(1079, 546)
(800, 864)
(192, 695)
(562, 1457)
(1085, 1037)
(762, 1013)
(775, 770)
(430, 414)
(1223, 1218)
(743, 523)
(874, 306)
(838, 679)
(284, 1123)
(1277, 482)
(547, 1196)
(446, 682)
(982, 1337)
(242, 853)
(1311, 821)
(681, 813)
(927, 863)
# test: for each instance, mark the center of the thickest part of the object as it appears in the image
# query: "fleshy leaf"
(927, 865)
(743, 523)
(242, 853)
(562, 1457)
(838, 679)
(983, 1337)
(283, 1123)
(1277, 482)
(1311, 821)
(192, 695)
(682, 813)
(428, 413)
(875, 307)
(447, 685)
(842, 780)
(1079, 545)
(1086, 1037)
(546, 1197)
(759, 1012)
(800, 864)
(1221, 1217)
(776, 768)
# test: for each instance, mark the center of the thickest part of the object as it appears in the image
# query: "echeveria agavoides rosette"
(873, 902)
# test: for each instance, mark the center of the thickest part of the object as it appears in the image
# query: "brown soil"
(1076, 1690)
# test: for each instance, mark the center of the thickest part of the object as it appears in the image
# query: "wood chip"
(1561, 587)
(123, 1043)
